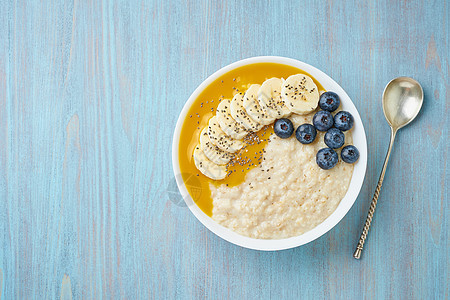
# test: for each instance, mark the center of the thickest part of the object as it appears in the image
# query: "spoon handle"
(373, 204)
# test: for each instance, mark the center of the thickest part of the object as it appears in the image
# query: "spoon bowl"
(402, 100)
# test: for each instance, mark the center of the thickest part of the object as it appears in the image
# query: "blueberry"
(326, 158)
(334, 138)
(283, 128)
(323, 120)
(329, 101)
(349, 154)
(306, 133)
(343, 120)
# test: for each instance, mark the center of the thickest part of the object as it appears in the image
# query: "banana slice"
(214, 153)
(221, 139)
(227, 123)
(300, 94)
(254, 110)
(207, 167)
(239, 113)
(269, 98)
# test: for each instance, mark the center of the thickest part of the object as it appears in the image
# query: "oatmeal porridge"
(287, 195)
(265, 143)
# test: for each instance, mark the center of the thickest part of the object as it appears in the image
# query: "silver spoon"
(402, 100)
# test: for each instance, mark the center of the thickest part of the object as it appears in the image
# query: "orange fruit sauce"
(204, 107)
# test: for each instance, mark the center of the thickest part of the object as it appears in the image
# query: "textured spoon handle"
(373, 204)
(366, 228)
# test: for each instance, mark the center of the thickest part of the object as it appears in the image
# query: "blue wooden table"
(90, 92)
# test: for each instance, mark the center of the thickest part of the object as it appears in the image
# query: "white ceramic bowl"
(359, 140)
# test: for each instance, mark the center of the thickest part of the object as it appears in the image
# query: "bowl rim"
(356, 182)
